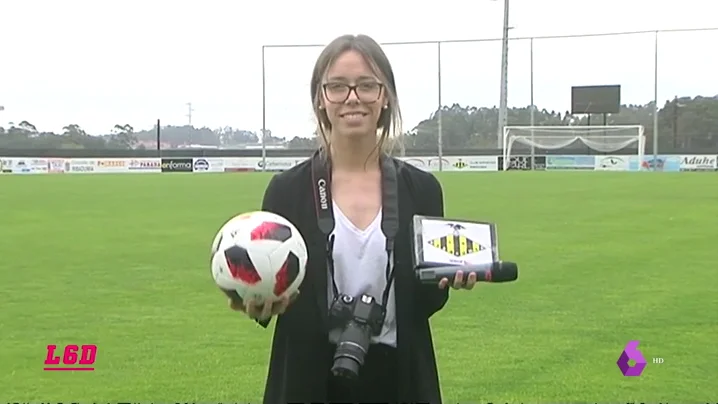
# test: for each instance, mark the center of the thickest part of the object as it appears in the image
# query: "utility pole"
(189, 113)
(503, 103)
(189, 122)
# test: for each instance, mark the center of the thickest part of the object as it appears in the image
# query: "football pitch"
(121, 261)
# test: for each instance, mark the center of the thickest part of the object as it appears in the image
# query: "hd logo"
(456, 243)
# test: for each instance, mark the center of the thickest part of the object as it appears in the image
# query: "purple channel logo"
(631, 353)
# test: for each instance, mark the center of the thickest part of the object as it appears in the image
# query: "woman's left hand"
(459, 281)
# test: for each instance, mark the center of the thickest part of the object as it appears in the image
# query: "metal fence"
(651, 66)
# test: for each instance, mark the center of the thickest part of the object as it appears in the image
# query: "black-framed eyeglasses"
(367, 92)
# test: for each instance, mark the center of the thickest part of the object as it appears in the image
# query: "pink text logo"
(71, 358)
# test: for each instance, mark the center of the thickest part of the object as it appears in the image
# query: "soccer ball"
(258, 255)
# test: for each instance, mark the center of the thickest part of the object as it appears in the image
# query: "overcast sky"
(99, 63)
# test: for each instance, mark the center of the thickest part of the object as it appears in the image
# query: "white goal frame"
(567, 132)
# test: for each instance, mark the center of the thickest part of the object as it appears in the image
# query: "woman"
(354, 96)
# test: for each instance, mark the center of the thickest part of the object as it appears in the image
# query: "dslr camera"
(353, 321)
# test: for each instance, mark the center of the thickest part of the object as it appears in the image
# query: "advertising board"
(176, 165)
(39, 166)
(273, 164)
(80, 166)
(611, 163)
(31, 165)
(144, 165)
(699, 163)
(21, 166)
(207, 165)
(276, 164)
(570, 162)
(28, 166)
(523, 163)
(56, 166)
(427, 163)
(5, 165)
(110, 165)
(666, 163)
(661, 163)
(239, 164)
(455, 163)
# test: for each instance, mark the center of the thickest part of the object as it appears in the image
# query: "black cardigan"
(301, 355)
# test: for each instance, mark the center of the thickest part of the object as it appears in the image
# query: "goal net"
(604, 139)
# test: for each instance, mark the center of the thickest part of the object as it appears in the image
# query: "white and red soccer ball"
(259, 255)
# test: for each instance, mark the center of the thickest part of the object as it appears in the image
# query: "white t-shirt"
(360, 267)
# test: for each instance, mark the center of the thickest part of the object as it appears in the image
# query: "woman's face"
(352, 96)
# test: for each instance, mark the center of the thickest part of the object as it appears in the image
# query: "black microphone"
(495, 272)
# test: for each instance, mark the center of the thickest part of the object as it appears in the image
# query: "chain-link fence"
(449, 91)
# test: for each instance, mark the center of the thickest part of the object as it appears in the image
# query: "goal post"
(604, 139)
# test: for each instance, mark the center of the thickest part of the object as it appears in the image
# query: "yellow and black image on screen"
(456, 243)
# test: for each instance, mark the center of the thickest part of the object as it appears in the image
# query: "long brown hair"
(389, 123)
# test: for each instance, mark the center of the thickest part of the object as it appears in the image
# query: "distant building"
(197, 146)
(152, 145)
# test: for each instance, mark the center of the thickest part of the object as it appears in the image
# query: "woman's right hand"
(265, 310)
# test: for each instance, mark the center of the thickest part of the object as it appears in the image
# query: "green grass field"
(121, 261)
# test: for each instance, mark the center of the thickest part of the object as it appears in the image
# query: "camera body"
(353, 321)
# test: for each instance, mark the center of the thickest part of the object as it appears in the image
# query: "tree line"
(684, 122)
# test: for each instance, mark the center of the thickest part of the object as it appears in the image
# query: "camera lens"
(348, 358)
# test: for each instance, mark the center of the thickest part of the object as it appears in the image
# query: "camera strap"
(321, 181)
